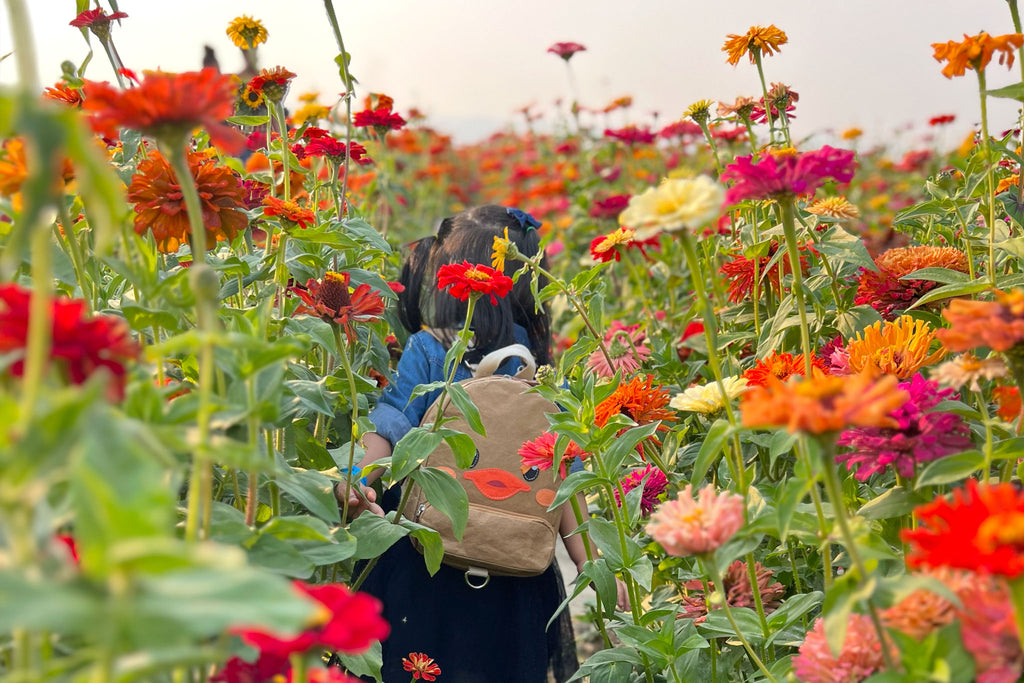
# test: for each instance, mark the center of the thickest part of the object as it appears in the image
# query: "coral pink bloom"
(860, 657)
(626, 349)
(787, 173)
(566, 50)
(989, 630)
(696, 526)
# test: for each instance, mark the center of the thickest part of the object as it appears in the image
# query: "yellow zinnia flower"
(246, 32)
(900, 347)
(500, 251)
(706, 398)
(834, 207)
(676, 204)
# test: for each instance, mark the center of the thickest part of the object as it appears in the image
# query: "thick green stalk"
(353, 397)
(789, 228)
(990, 199)
(1017, 597)
(346, 78)
(764, 93)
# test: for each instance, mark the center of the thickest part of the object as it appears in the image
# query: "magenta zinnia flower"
(787, 173)
(566, 50)
(696, 526)
(923, 435)
(654, 482)
(860, 657)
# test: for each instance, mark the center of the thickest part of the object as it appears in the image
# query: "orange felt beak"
(496, 484)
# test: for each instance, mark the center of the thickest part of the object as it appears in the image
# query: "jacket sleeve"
(395, 414)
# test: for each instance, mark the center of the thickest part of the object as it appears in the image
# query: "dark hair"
(469, 236)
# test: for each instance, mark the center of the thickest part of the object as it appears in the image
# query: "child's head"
(469, 236)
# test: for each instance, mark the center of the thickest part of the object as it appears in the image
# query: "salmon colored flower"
(923, 611)
(887, 291)
(1008, 403)
(167, 106)
(968, 369)
(900, 347)
(837, 207)
(464, 280)
(540, 453)
(981, 529)
(975, 52)
(288, 211)
(676, 204)
(696, 526)
(782, 175)
(81, 344)
(860, 657)
(330, 300)
(421, 666)
(626, 348)
(997, 324)
(160, 205)
(345, 621)
(756, 41)
(246, 33)
(781, 366)
(823, 403)
(989, 630)
(566, 50)
(639, 399)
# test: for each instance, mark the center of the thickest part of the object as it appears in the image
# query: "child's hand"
(360, 498)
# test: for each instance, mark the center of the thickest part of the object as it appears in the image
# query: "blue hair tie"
(526, 221)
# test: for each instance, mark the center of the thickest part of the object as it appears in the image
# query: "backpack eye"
(532, 473)
(476, 459)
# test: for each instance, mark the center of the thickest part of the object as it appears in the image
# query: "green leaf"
(464, 403)
(946, 276)
(626, 443)
(1011, 92)
(279, 557)
(248, 120)
(951, 469)
(791, 610)
(312, 490)
(445, 494)
(948, 291)
(717, 624)
(895, 502)
(311, 396)
(411, 450)
(462, 445)
(429, 542)
(576, 482)
(711, 448)
(366, 664)
(374, 535)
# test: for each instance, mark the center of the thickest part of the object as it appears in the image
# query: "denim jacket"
(422, 362)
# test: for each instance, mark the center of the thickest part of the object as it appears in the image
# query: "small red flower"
(941, 120)
(382, 119)
(330, 299)
(540, 453)
(266, 667)
(93, 17)
(345, 621)
(69, 542)
(981, 530)
(464, 280)
(421, 666)
(62, 92)
(566, 50)
(334, 150)
(288, 211)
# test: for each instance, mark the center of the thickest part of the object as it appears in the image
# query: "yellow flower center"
(620, 236)
(1001, 529)
(478, 275)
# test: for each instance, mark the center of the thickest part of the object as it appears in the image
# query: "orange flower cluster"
(756, 41)
(997, 324)
(160, 206)
(824, 403)
(898, 348)
(975, 52)
(887, 292)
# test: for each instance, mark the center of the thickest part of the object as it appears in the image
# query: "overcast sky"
(471, 64)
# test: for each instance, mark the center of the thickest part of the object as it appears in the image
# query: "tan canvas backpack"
(510, 531)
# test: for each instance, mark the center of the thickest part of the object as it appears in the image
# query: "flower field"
(792, 373)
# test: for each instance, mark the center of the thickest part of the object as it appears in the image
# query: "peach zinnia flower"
(997, 324)
(160, 207)
(696, 526)
(970, 370)
(924, 611)
(168, 105)
(860, 656)
(737, 590)
(837, 207)
(756, 41)
(975, 52)
(886, 291)
(900, 347)
(824, 403)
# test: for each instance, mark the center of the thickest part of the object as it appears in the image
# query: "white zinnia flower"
(676, 204)
(705, 398)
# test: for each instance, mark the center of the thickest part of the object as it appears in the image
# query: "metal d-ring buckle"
(476, 572)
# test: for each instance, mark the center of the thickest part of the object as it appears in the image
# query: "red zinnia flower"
(346, 621)
(981, 529)
(610, 207)
(566, 50)
(266, 667)
(81, 344)
(694, 327)
(94, 17)
(464, 280)
(740, 272)
(334, 150)
(166, 104)
(382, 120)
(786, 174)
(289, 211)
(332, 302)
(941, 120)
(421, 666)
(160, 206)
(273, 83)
(540, 453)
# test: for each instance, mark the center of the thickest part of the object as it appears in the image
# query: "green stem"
(24, 47)
(590, 558)
(789, 228)
(353, 397)
(711, 569)
(1017, 597)
(346, 78)
(755, 589)
(40, 323)
(764, 94)
(711, 143)
(986, 150)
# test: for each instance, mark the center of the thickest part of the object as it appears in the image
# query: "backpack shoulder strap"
(493, 360)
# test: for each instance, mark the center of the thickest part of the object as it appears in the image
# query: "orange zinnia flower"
(637, 399)
(997, 324)
(981, 529)
(900, 348)
(168, 105)
(887, 292)
(13, 169)
(160, 207)
(757, 40)
(781, 366)
(330, 300)
(288, 211)
(1008, 403)
(975, 52)
(64, 93)
(823, 403)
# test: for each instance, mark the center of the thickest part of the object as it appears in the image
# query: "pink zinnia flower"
(625, 356)
(989, 631)
(654, 482)
(540, 453)
(566, 50)
(696, 526)
(631, 135)
(860, 657)
(922, 434)
(786, 174)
